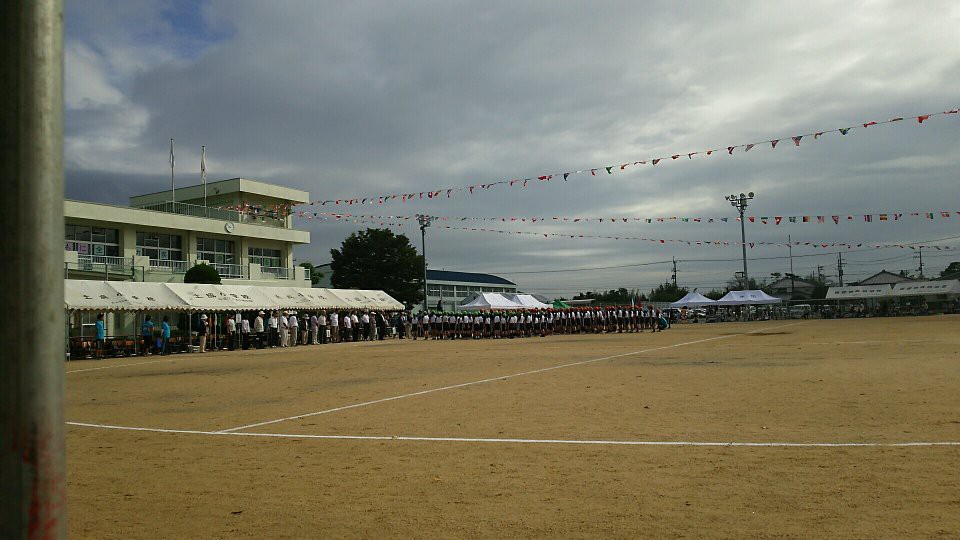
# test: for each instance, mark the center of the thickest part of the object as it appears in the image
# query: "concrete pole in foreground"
(32, 465)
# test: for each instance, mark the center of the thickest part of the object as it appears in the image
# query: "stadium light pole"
(740, 203)
(424, 222)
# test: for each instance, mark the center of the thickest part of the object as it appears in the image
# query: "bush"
(202, 273)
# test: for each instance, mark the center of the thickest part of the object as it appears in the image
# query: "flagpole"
(173, 184)
(203, 177)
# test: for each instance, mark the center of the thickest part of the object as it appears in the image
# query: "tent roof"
(93, 295)
(147, 296)
(560, 304)
(741, 298)
(526, 300)
(491, 301)
(851, 292)
(693, 299)
(919, 288)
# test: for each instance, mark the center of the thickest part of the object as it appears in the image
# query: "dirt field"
(536, 437)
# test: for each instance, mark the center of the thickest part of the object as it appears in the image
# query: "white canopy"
(527, 301)
(693, 299)
(922, 288)
(93, 295)
(856, 292)
(742, 298)
(145, 296)
(485, 301)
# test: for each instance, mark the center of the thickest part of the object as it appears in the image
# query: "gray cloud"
(372, 98)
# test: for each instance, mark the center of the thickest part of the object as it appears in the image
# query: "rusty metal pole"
(32, 465)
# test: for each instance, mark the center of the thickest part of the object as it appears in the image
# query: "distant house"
(884, 278)
(791, 288)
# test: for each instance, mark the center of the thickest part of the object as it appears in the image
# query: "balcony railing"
(175, 267)
(186, 209)
(232, 271)
(93, 262)
(278, 272)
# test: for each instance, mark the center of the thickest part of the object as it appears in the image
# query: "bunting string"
(448, 192)
(835, 219)
(657, 241)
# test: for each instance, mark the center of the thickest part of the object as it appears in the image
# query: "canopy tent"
(858, 292)
(560, 304)
(486, 301)
(527, 301)
(743, 298)
(144, 296)
(693, 299)
(93, 296)
(925, 288)
(379, 300)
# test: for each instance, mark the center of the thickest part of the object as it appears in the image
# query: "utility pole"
(424, 222)
(820, 272)
(740, 203)
(33, 477)
(793, 285)
(920, 255)
(840, 268)
(674, 272)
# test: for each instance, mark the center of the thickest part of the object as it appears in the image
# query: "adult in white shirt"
(365, 319)
(334, 327)
(231, 332)
(294, 327)
(245, 333)
(258, 329)
(347, 327)
(284, 329)
(356, 326)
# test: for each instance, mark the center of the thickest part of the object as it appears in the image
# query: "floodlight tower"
(424, 222)
(740, 203)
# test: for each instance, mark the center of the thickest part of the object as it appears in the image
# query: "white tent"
(93, 295)
(148, 296)
(924, 288)
(527, 301)
(857, 292)
(742, 298)
(203, 297)
(693, 299)
(485, 301)
(379, 300)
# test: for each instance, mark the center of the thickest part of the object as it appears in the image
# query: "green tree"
(379, 259)
(315, 275)
(715, 294)
(951, 271)
(667, 292)
(202, 273)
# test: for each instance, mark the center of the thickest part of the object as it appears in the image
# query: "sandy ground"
(849, 381)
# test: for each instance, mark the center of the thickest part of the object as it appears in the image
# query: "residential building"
(884, 278)
(245, 230)
(791, 288)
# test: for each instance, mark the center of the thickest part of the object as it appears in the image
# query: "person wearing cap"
(202, 331)
(258, 329)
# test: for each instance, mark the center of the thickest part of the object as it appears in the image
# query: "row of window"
(461, 291)
(101, 241)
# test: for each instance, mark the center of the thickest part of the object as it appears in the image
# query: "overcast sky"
(357, 99)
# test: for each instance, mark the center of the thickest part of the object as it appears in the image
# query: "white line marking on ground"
(491, 379)
(119, 365)
(528, 441)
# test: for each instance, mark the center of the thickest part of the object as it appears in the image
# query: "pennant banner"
(763, 220)
(664, 241)
(609, 169)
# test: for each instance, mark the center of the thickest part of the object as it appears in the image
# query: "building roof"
(786, 283)
(467, 277)
(884, 278)
(231, 185)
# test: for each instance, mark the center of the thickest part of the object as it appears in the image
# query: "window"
(433, 290)
(216, 251)
(89, 240)
(159, 247)
(265, 257)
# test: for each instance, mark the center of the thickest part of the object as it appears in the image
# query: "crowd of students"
(278, 329)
